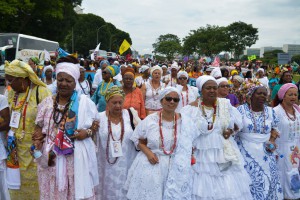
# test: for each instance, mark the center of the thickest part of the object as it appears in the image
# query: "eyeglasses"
(169, 99)
(10, 82)
(182, 78)
(224, 86)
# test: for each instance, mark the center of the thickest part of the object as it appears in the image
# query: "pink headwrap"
(284, 89)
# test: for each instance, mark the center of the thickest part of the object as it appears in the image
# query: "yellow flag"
(75, 55)
(124, 46)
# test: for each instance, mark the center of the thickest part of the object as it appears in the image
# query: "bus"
(100, 53)
(111, 55)
(19, 46)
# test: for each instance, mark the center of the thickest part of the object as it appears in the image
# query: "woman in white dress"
(49, 80)
(165, 133)
(85, 85)
(256, 142)
(151, 90)
(289, 142)
(115, 149)
(188, 93)
(218, 170)
(140, 80)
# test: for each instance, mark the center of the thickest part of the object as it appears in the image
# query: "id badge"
(15, 119)
(116, 149)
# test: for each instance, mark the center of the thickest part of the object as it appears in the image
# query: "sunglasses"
(182, 78)
(104, 72)
(169, 99)
(224, 86)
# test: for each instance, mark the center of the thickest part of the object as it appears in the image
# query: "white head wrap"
(47, 67)
(116, 63)
(182, 73)
(261, 69)
(156, 67)
(202, 80)
(143, 68)
(174, 66)
(168, 90)
(238, 78)
(220, 80)
(164, 66)
(216, 72)
(69, 68)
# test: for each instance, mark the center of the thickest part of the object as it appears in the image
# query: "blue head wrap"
(104, 62)
(113, 69)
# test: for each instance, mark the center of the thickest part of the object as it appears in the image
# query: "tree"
(209, 40)
(167, 45)
(296, 58)
(49, 19)
(270, 57)
(85, 35)
(240, 35)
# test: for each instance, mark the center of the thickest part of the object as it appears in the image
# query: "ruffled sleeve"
(140, 132)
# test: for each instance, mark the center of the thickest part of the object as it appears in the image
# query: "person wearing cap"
(256, 141)
(288, 143)
(49, 80)
(151, 90)
(163, 165)
(99, 96)
(133, 95)
(219, 169)
(140, 80)
(23, 99)
(116, 151)
(223, 92)
(85, 85)
(188, 94)
(208, 70)
(98, 75)
(63, 147)
(171, 79)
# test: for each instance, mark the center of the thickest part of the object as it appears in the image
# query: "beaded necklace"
(17, 106)
(154, 96)
(101, 89)
(59, 114)
(110, 135)
(253, 119)
(187, 97)
(210, 125)
(87, 87)
(24, 115)
(162, 136)
(293, 118)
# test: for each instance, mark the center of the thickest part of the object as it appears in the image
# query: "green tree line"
(56, 20)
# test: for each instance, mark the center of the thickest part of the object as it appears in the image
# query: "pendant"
(193, 160)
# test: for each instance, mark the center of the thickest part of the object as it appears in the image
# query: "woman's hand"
(152, 158)
(274, 135)
(80, 134)
(227, 133)
(95, 126)
(38, 135)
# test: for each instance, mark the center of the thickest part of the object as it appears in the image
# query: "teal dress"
(99, 96)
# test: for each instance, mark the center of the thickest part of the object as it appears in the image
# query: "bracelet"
(89, 132)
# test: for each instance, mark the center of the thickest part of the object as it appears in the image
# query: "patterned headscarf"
(128, 70)
(113, 69)
(35, 60)
(250, 87)
(19, 68)
(113, 91)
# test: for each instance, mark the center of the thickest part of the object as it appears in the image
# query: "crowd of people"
(142, 130)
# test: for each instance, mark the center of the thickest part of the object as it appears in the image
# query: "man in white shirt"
(98, 76)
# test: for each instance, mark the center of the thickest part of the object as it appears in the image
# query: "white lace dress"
(214, 178)
(146, 181)
(113, 177)
(152, 102)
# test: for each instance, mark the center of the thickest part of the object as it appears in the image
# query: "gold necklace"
(101, 89)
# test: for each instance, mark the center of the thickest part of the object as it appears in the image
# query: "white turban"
(174, 66)
(47, 67)
(116, 63)
(182, 73)
(216, 72)
(238, 78)
(69, 68)
(156, 67)
(164, 66)
(261, 69)
(143, 68)
(220, 80)
(168, 90)
(202, 80)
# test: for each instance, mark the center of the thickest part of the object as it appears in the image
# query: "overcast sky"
(278, 21)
